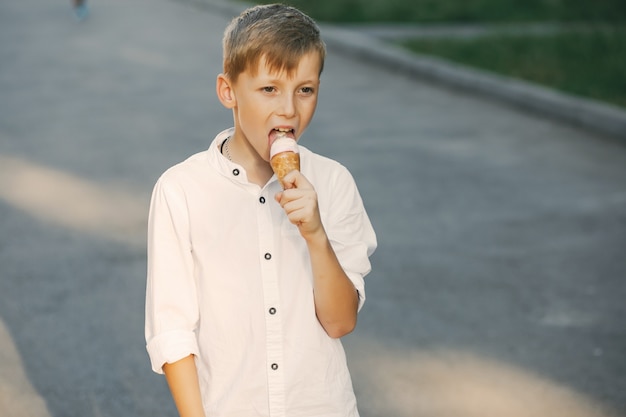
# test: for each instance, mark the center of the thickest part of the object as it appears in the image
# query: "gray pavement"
(497, 288)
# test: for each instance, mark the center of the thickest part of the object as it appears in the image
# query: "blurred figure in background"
(80, 9)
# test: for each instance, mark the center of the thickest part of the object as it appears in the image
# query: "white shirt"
(230, 281)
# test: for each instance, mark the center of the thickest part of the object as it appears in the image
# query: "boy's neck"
(257, 169)
(259, 172)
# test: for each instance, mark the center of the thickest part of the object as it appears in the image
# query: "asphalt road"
(499, 283)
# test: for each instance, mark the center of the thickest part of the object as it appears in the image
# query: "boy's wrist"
(317, 238)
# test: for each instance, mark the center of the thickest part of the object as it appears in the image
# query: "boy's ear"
(225, 92)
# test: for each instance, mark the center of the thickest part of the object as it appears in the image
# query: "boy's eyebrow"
(275, 80)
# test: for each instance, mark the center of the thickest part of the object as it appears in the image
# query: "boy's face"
(268, 101)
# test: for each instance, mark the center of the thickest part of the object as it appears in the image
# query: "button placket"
(271, 297)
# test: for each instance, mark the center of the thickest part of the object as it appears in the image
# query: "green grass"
(586, 64)
(359, 11)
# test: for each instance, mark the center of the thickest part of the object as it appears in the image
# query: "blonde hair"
(280, 34)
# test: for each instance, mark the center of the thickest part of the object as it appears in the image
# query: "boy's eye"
(307, 90)
(269, 89)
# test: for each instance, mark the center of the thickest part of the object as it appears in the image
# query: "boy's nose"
(287, 106)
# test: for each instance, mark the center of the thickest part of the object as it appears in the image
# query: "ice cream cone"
(284, 157)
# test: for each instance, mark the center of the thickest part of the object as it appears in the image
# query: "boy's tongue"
(276, 134)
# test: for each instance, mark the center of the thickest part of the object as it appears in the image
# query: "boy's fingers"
(289, 180)
(295, 179)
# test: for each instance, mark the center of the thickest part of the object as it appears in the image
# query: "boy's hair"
(280, 34)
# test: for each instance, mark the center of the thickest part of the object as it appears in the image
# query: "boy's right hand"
(299, 200)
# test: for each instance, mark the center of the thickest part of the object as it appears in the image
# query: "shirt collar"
(223, 165)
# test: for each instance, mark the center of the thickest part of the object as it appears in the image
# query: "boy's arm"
(182, 378)
(336, 299)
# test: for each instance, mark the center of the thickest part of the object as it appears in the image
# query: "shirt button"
(272, 310)
(235, 172)
(262, 200)
(268, 256)
(274, 366)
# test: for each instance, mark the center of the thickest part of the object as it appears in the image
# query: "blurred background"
(498, 287)
(576, 47)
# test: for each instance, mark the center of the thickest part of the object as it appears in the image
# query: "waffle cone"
(285, 162)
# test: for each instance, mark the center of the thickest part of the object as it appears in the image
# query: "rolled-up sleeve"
(171, 294)
(351, 233)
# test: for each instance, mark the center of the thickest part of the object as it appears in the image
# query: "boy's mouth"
(281, 132)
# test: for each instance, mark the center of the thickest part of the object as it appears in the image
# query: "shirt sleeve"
(350, 231)
(171, 299)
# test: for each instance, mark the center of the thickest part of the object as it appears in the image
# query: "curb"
(590, 114)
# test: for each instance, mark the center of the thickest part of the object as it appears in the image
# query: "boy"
(251, 286)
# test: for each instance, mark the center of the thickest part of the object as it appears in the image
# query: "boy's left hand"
(299, 200)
